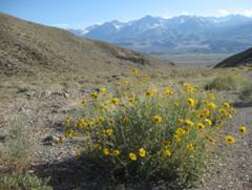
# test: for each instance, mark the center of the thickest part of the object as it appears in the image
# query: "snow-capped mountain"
(178, 34)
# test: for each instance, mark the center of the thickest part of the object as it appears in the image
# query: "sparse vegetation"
(153, 128)
(17, 151)
(23, 182)
(246, 94)
(15, 158)
(152, 135)
(227, 82)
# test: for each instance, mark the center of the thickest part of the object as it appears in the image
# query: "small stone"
(66, 95)
(51, 140)
(2, 138)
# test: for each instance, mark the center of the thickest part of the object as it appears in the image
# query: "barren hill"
(240, 59)
(29, 48)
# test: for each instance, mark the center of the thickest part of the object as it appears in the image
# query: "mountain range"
(182, 34)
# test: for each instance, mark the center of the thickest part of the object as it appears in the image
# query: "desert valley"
(147, 104)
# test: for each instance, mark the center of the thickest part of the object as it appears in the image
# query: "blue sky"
(83, 13)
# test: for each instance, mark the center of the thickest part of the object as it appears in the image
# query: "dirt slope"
(240, 59)
(29, 48)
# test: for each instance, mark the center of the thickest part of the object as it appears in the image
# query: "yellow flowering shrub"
(161, 133)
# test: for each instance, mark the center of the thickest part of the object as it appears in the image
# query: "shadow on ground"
(71, 174)
(242, 104)
(88, 174)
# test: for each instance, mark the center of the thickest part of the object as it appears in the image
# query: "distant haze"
(182, 34)
(216, 26)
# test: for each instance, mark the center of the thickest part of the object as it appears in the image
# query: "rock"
(66, 95)
(51, 140)
(2, 138)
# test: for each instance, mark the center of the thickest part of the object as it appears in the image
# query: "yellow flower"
(211, 106)
(188, 123)
(180, 131)
(230, 139)
(168, 91)
(204, 113)
(200, 126)
(69, 133)
(100, 119)
(94, 95)
(106, 152)
(103, 90)
(208, 122)
(115, 101)
(189, 88)
(151, 92)
(116, 152)
(157, 119)
(191, 102)
(167, 152)
(132, 156)
(142, 152)
(109, 132)
(125, 82)
(242, 129)
(135, 71)
(190, 147)
(82, 123)
(223, 112)
(131, 99)
(177, 138)
(226, 105)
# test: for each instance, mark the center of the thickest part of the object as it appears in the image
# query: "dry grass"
(246, 94)
(16, 153)
(23, 182)
(226, 82)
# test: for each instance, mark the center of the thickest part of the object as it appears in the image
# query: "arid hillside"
(27, 48)
(241, 59)
(78, 114)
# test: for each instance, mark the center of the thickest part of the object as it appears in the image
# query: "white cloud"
(64, 26)
(225, 12)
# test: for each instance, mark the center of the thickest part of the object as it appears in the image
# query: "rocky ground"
(233, 171)
(59, 160)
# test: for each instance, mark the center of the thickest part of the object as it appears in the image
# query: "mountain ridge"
(181, 34)
(241, 59)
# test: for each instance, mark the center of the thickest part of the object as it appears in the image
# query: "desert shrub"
(246, 93)
(157, 134)
(23, 182)
(16, 155)
(229, 82)
(17, 152)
